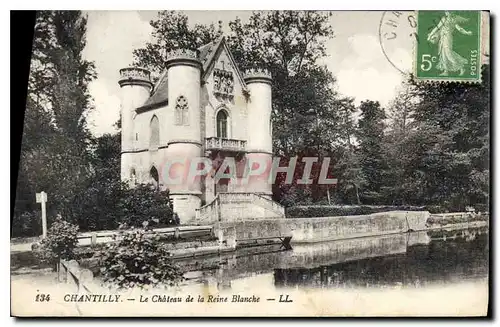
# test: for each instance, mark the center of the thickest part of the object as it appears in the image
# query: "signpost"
(42, 198)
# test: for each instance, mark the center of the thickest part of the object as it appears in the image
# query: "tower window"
(154, 140)
(222, 124)
(181, 111)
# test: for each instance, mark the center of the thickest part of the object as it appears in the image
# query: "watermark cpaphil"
(294, 170)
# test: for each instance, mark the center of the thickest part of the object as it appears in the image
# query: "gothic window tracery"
(181, 111)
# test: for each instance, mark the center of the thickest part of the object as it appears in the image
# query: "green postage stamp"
(448, 47)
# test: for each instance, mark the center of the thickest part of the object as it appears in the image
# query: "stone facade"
(201, 106)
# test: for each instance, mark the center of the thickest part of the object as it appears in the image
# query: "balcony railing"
(217, 143)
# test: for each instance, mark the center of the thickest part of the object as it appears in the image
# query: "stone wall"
(326, 228)
(237, 211)
(234, 207)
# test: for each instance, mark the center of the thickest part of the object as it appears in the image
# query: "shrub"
(60, 243)
(482, 207)
(96, 207)
(28, 223)
(104, 205)
(336, 211)
(145, 204)
(137, 258)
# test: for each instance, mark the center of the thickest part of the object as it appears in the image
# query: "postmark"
(448, 46)
(397, 34)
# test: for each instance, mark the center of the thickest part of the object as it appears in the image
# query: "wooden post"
(93, 239)
(42, 198)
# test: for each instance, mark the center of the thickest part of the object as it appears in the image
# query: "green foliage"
(27, 223)
(60, 242)
(447, 151)
(145, 204)
(370, 135)
(312, 211)
(54, 153)
(96, 206)
(106, 204)
(172, 30)
(138, 259)
(457, 219)
(306, 107)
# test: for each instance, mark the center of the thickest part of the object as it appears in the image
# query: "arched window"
(181, 111)
(154, 178)
(154, 138)
(222, 124)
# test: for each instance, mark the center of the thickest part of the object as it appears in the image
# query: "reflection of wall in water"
(440, 261)
(260, 260)
(313, 255)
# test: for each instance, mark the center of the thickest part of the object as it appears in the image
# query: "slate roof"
(159, 96)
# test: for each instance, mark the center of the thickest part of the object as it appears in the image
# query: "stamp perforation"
(450, 79)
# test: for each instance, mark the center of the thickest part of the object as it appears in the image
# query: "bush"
(482, 207)
(137, 258)
(96, 208)
(27, 223)
(336, 211)
(60, 243)
(106, 204)
(145, 204)
(457, 219)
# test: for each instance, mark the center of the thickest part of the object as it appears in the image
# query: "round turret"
(135, 88)
(258, 75)
(135, 76)
(259, 140)
(185, 57)
(184, 120)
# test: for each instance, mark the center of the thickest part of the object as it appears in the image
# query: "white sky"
(354, 55)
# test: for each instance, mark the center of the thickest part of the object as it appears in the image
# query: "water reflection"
(415, 259)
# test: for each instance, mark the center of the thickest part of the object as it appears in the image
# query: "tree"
(54, 153)
(396, 146)
(289, 44)
(171, 30)
(450, 148)
(348, 167)
(370, 137)
(106, 156)
(308, 114)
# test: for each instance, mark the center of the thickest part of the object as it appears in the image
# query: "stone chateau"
(201, 106)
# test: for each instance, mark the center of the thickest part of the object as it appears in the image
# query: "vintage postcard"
(254, 164)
